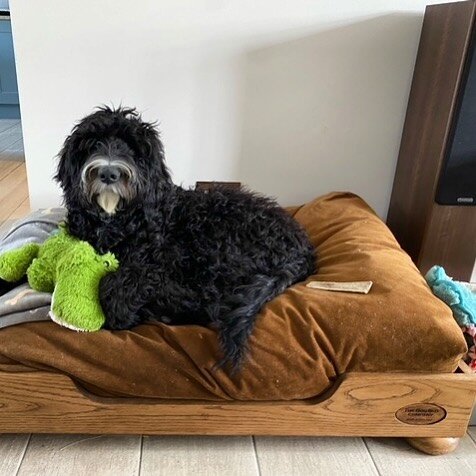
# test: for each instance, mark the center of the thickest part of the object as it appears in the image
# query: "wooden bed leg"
(434, 446)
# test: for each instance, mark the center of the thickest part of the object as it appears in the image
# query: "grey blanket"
(23, 304)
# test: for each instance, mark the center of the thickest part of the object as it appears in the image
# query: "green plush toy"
(70, 269)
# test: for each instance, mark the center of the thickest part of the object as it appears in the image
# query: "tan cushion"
(302, 340)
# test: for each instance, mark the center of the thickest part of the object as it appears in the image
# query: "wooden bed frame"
(431, 410)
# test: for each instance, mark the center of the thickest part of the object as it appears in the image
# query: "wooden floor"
(135, 455)
(277, 456)
(13, 184)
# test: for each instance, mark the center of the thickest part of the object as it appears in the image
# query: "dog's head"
(112, 160)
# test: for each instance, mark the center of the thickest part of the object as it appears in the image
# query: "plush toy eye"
(108, 261)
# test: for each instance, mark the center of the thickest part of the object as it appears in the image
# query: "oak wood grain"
(360, 404)
(434, 446)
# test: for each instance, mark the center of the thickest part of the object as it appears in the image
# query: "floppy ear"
(82, 138)
(153, 151)
(68, 172)
(63, 171)
(68, 165)
(75, 147)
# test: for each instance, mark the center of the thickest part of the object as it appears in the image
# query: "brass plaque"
(421, 414)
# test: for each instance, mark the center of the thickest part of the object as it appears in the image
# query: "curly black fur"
(186, 257)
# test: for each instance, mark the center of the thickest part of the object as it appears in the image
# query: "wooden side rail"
(359, 404)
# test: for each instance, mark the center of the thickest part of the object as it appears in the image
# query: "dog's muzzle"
(109, 174)
(108, 181)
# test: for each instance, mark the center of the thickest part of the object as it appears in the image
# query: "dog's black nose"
(109, 174)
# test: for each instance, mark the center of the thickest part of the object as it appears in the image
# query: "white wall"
(294, 98)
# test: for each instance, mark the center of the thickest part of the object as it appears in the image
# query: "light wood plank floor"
(80, 455)
(83, 455)
(13, 183)
(11, 140)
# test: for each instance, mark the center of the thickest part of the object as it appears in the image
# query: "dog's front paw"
(6, 286)
(115, 304)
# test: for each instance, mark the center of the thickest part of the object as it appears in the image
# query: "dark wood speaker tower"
(429, 232)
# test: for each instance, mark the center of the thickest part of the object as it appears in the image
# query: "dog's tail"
(238, 315)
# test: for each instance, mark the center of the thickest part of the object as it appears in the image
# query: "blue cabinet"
(9, 104)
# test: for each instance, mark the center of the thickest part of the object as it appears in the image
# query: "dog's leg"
(237, 317)
(123, 293)
(5, 286)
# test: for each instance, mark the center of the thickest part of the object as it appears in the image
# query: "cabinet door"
(8, 77)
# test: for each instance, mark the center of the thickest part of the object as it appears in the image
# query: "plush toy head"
(71, 270)
(461, 300)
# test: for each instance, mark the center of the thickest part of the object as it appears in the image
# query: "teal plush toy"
(461, 300)
(70, 269)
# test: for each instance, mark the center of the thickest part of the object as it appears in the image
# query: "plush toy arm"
(40, 276)
(15, 263)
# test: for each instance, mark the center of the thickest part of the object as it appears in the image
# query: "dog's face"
(111, 161)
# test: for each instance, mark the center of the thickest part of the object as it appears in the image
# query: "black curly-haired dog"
(186, 257)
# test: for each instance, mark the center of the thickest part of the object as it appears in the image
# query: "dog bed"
(303, 340)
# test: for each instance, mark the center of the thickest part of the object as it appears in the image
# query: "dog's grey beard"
(108, 196)
(108, 201)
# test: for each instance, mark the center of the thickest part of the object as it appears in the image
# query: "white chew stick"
(362, 287)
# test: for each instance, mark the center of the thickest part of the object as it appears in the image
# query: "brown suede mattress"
(303, 339)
